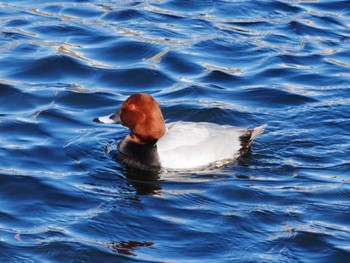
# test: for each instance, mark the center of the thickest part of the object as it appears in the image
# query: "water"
(245, 63)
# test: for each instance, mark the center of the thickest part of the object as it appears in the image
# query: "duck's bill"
(110, 119)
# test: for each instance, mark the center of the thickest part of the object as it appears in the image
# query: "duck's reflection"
(127, 247)
(145, 182)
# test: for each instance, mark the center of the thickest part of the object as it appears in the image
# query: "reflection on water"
(63, 195)
(127, 248)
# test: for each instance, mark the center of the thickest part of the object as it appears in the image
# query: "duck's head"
(142, 115)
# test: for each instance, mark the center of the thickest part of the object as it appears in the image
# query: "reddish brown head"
(142, 115)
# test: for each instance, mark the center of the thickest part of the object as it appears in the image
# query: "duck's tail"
(248, 137)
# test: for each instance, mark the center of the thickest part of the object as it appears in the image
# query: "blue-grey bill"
(110, 119)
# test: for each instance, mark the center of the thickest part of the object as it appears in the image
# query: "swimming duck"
(154, 145)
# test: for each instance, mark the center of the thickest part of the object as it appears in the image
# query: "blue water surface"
(243, 63)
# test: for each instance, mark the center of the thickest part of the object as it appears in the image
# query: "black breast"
(141, 156)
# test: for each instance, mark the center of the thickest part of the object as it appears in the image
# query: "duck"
(154, 145)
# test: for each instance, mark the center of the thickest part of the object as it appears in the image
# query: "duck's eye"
(131, 106)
